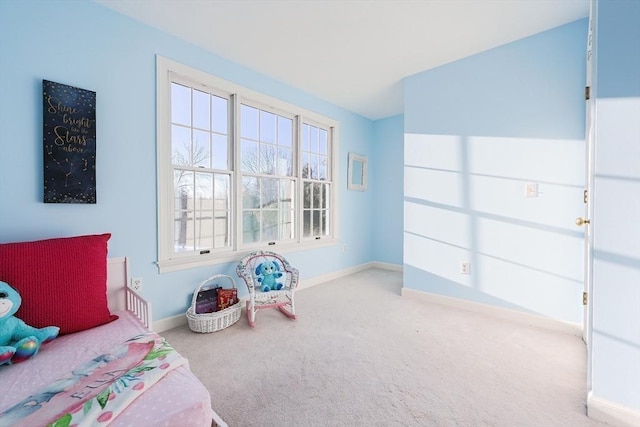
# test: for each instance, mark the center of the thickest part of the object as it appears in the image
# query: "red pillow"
(62, 282)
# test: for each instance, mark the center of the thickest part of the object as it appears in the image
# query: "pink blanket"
(95, 393)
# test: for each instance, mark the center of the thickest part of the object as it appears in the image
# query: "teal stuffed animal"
(267, 273)
(18, 341)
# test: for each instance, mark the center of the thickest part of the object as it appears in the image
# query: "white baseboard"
(612, 413)
(181, 319)
(313, 281)
(387, 266)
(169, 323)
(307, 283)
(500, 312)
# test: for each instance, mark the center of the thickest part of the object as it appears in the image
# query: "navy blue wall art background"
(69, 142)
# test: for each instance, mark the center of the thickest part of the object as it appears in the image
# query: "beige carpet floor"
(360, 354)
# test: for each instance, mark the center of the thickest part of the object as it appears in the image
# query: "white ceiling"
(353, 53)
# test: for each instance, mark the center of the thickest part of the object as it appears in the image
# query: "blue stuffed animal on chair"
(267, 272)
(18, 341)
(264, 272)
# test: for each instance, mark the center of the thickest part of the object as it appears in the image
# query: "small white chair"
(249, 270)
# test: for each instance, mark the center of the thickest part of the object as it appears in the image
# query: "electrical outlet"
(465, 268)
(531, 190)
(344, 248)
(136, 284)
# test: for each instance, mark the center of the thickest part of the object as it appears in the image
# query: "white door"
(585, 221)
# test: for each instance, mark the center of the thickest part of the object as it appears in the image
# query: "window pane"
(322, 169)
(313, 139)
(306, 165)
(183, 231)
(316, 222)
(220, 114)
(285, 131)
(201, 149)
(269, 225)
(203, 229)
(204, 191)
(269, 193)
(326, 196)
(220, 154)
(180, 145)
(285, 163)
(306, 223)
(249, 156)
(201, 110)
(250, 227)
(317, 196)
(180, 104)
(323, 141)
(183, 189)
(314, 166)
(285, 206)
(268, 159)
(248, 122)
(325, 231)
(287, 190)
(222, 192)
(287, 224)
(250, 193)
(183, 222)
(267, 127)
(307, 190)
(305, 137)
(221, 229)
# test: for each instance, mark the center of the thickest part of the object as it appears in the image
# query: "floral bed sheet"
(178, 398)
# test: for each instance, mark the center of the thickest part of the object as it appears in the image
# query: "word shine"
(67, 112)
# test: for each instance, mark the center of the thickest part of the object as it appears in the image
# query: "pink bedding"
(177, 399)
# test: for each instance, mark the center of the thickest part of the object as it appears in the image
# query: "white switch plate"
(531, 189)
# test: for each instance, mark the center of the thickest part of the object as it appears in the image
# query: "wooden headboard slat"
(120, 296)
(117, 282)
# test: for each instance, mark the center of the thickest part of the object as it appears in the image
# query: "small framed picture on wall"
(357, 172)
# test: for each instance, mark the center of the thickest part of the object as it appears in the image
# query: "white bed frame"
(120, 297)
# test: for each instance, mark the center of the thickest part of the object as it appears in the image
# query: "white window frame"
(166, 70)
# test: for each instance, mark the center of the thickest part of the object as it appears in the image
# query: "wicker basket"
(212, 322)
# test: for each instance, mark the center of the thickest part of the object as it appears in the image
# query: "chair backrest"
(249, 269)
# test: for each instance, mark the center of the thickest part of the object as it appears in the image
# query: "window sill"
(178, 264)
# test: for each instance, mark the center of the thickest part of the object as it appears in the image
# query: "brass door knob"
(581, 221)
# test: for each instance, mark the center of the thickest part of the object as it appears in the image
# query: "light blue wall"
(476, 132)
(522, 89)
(616, 218)
(86, 45)
(387, 184)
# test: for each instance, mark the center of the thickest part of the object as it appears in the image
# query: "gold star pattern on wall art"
(69, 142)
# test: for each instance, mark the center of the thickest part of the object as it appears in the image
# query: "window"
(238, 171)
(268, 179)
(201, 171)
(315, 162)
